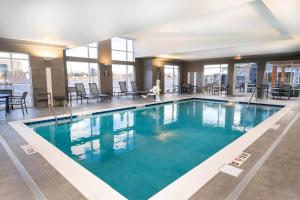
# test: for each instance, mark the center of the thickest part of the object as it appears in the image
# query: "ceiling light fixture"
(238, 57)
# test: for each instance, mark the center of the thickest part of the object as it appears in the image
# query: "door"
(244, 78)
(171, 78)
(241, 77)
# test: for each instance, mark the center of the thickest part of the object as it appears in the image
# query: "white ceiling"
(181, 29)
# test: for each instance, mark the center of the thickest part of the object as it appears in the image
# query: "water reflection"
(105, 136)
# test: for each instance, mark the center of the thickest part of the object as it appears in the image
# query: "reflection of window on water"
(123, 120)
(87, 149)
(214, 115)
(170, 113)
(124, 141)
(237, 119)
(84, 129)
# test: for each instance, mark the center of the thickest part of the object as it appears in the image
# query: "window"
(215, 74)
(82, 72)
(88, 51)
(291, 72)
(122, 73)
(171, 78)
(122, 49)
(15, 73)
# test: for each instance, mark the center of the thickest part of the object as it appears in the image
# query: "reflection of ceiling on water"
(164, 136)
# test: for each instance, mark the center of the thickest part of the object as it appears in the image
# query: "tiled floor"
(277, 179)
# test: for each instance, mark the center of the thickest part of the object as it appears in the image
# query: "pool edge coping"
(184, 187)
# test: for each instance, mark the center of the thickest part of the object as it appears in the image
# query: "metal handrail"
(254, 91)
(70, 110)
(52, 108)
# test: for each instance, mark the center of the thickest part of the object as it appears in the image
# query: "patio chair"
(135, 89)
(186, 88)
(224, 88)
(283, 90)
(123, 89)
(286, 90)
(262, 90)
(72, 93)
(19, 101)
(94, 91)
(80, 91)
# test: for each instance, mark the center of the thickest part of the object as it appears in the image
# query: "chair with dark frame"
(135, 89)
(19, 101)
(81, 93)
(95, 91)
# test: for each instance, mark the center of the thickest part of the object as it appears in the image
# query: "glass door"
(244, 78)
(171, 78)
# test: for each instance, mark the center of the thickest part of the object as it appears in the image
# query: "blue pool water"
(138, 152)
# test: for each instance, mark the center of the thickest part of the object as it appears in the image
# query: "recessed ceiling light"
(238, 57)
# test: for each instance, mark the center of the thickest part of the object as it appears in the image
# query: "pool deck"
(277, 178)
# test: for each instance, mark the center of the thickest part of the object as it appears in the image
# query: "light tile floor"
(279, 178)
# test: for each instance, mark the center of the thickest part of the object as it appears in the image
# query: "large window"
(122, 49)
(215, 74)
(171, 78)
(291, 73)
(122, 73)
(88, 51)
(15, 73)
(82, 72)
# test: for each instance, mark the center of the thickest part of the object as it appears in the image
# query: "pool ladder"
(51, 108)
(254, 91)
(66, 105)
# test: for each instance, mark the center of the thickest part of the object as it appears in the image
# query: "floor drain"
(28, 149)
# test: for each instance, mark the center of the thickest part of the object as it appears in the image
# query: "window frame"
(11, 60)
(87, 49)
(127, 51)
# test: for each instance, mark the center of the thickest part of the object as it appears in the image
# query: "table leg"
(6, 105)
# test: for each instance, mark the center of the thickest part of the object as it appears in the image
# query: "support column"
(261, 67)
(230, 78)
(282, 78)
(274, 75)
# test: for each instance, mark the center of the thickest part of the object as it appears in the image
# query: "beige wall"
(38, 64)
(147, 69)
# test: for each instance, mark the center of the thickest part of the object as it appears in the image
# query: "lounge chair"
(123, 89)
(135, 89)
(97, 93)
(80, 90)
(72, 92)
